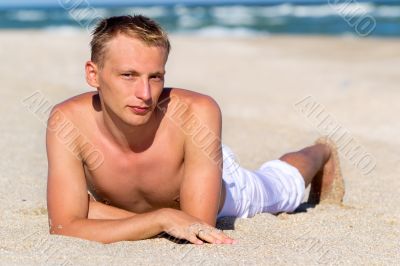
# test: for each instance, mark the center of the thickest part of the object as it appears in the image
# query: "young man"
(151, 157)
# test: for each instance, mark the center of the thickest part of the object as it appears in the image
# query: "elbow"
(74, 229)
(57, 230)
(69, 234)
(64, 229)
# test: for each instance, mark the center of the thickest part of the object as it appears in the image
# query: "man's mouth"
(139, 109)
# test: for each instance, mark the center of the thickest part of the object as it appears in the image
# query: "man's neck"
(129, 138)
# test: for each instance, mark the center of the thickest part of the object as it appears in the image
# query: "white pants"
(275, 187)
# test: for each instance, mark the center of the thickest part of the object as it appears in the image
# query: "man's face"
(132, 79)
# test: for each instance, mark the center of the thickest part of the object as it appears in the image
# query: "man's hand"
(184, 226)
(176, 223)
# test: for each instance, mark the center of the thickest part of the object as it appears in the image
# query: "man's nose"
(143, 90)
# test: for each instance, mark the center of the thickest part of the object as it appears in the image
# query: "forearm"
(98, 210)
(140, 226)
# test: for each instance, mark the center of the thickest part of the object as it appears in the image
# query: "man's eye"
(157, 78)
(127, 75)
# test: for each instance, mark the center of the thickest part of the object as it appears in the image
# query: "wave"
(388, 11)
(247, 13)
(153, 12)
(219, 31)
(63, 30)
(234, 15)
(28, 15)
(233, 20)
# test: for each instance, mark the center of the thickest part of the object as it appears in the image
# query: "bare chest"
(139, 182)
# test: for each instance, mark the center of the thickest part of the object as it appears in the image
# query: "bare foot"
(328, 185)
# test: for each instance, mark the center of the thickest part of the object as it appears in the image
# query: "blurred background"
(215, 18)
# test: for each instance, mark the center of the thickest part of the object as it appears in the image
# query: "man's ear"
(92, 74)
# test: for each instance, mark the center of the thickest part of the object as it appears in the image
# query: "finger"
(193, 239)
(218, 234)
(202, 231)
(182, 234)
(207, 236)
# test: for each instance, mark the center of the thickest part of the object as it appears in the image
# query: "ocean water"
(239, 19)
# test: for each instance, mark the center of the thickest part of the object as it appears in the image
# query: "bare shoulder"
(188, 103)
(69, 132)
(69, 120)
(74, 108)
(77, 103)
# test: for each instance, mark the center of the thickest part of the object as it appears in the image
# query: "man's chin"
(138, 120)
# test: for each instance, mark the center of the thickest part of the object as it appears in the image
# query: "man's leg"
(319, 165)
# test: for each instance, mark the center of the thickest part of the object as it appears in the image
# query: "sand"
(265, 87)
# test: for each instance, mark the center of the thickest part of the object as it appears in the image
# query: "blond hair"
(138, 26)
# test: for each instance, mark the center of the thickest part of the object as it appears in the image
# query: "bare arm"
(67, 199)
(98, 210)
(201, 187)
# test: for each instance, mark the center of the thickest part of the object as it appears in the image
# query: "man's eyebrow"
(137, 72)
(128, 70)
(157, 73)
